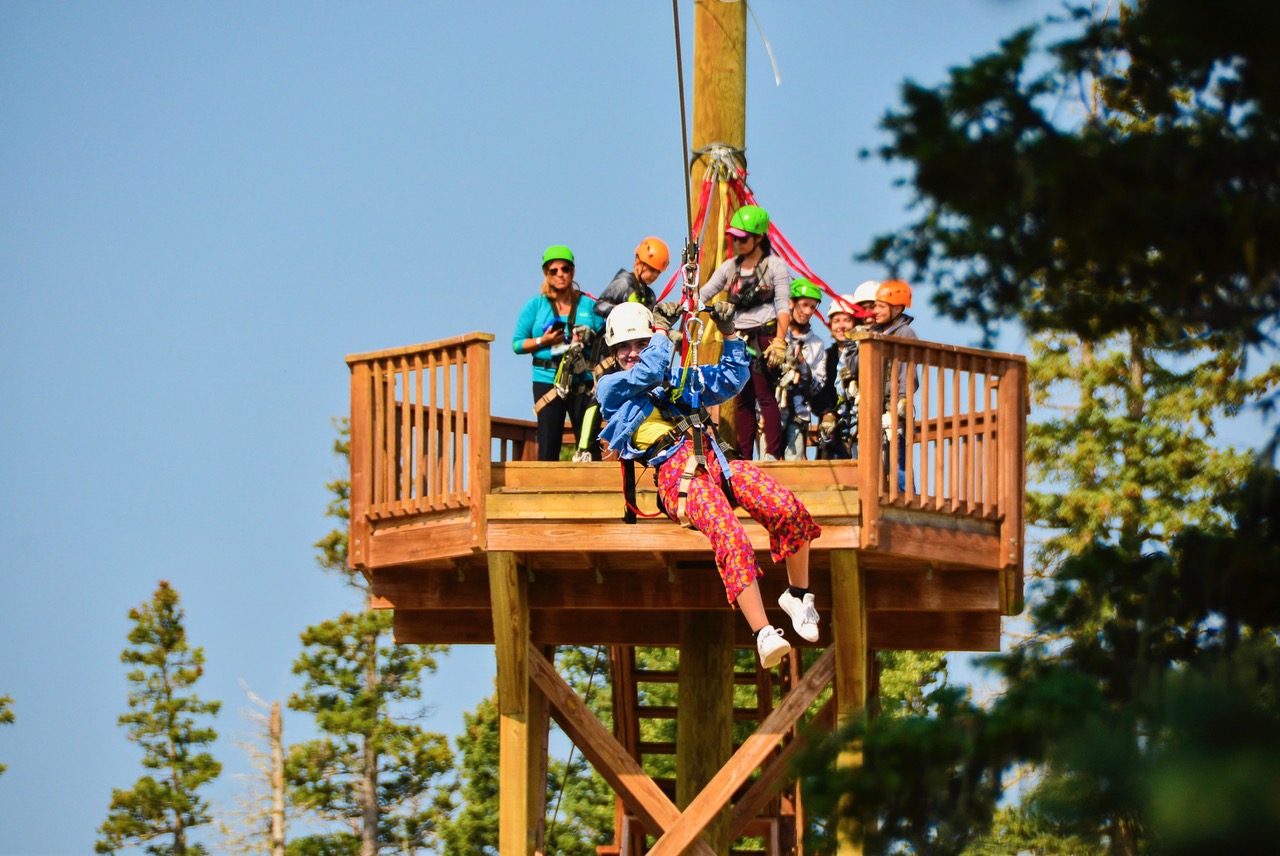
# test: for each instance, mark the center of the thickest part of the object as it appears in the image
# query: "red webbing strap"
(704, 197)
(629, 493)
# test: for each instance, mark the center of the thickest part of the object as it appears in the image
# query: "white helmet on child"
(844, 304)
(628, 321)
(866, 291)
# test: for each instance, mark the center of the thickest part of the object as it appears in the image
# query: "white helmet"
(842, 304)
(866, 291)
(628, 321)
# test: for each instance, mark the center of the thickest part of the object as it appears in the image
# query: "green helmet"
(751, 219)
(801, 287)
(557, 251)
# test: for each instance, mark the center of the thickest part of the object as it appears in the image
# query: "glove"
(828, 425)
(584, 334)
(902, 408)
(776, 353)
(846, 375)
(722, 315)
(665, 314)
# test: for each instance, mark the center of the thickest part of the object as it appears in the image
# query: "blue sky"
(207, 206)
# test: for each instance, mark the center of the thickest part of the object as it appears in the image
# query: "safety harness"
(680, 404)
(571, 364)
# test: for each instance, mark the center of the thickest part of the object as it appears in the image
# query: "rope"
(569, 761)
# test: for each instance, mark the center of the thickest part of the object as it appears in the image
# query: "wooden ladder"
(779, 819)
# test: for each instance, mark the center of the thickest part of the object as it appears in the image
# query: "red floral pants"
(788, 522)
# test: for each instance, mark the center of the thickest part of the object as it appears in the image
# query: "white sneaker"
(771, 646)
(804, 615)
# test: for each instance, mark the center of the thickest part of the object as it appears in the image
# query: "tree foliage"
(1145, 703)
(379, 778)
(164, 718)
(1068, 221)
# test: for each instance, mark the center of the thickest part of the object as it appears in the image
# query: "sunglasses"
(555, 271)
(738, 238)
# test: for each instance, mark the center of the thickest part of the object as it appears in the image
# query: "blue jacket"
(537, 317)
(625, 401)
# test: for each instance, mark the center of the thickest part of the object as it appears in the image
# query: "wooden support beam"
(888, 629)
(511, 645)
(606, 754)
(850, 629)
(704, 714)
(539, 735)
(773, 776)
(755, 749)
(962, 590)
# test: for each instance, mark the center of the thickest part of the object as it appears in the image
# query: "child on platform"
(644, 423)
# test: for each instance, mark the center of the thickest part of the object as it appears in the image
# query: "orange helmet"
(654, 253)
(894, 291)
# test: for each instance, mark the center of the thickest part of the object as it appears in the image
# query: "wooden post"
(508, 590)
(704, 714)
(719, 116)
(849, 628)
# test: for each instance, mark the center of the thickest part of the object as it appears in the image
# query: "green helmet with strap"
(750, 218)
(557, 251)
(801, 287)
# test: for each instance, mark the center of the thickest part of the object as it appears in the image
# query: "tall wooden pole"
(719, 116)
(276, 738)
(705, 707)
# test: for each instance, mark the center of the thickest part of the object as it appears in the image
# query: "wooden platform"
(438, 484)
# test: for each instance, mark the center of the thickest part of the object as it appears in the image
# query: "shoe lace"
(810, 614)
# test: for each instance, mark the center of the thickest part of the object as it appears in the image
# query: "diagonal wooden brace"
(607, 755)
(753, 752)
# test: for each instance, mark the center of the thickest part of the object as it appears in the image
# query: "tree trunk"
(369, 821)
(277, 781)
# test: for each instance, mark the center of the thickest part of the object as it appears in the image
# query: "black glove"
(665, 314)
(722, 315)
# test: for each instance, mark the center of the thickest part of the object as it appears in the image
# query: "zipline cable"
(684, 126)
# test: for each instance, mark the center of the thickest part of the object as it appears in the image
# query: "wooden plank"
(755, 749)
(479, 441)
(574, 505)
(887, 629)
(700, 589)
(934, 631)
(605, 753)
(940, 545)
(361, 462)
(935, 350)
(510, 617)
(433, 539)
(604, 476)
(870, 460)
(774, 774)
(656, 535)
(464, 339)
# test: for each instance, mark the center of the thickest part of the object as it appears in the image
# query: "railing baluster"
(460, 431)
(421, 501)
(909, 426)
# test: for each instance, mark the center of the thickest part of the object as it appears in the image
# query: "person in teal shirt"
(559, 328)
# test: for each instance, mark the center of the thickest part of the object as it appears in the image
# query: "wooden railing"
(422, 437)
(960, 433)
(420, 433)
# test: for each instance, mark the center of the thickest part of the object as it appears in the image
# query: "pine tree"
(379, 778)
(6, 718)
(1147, 700)
(164, 719)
